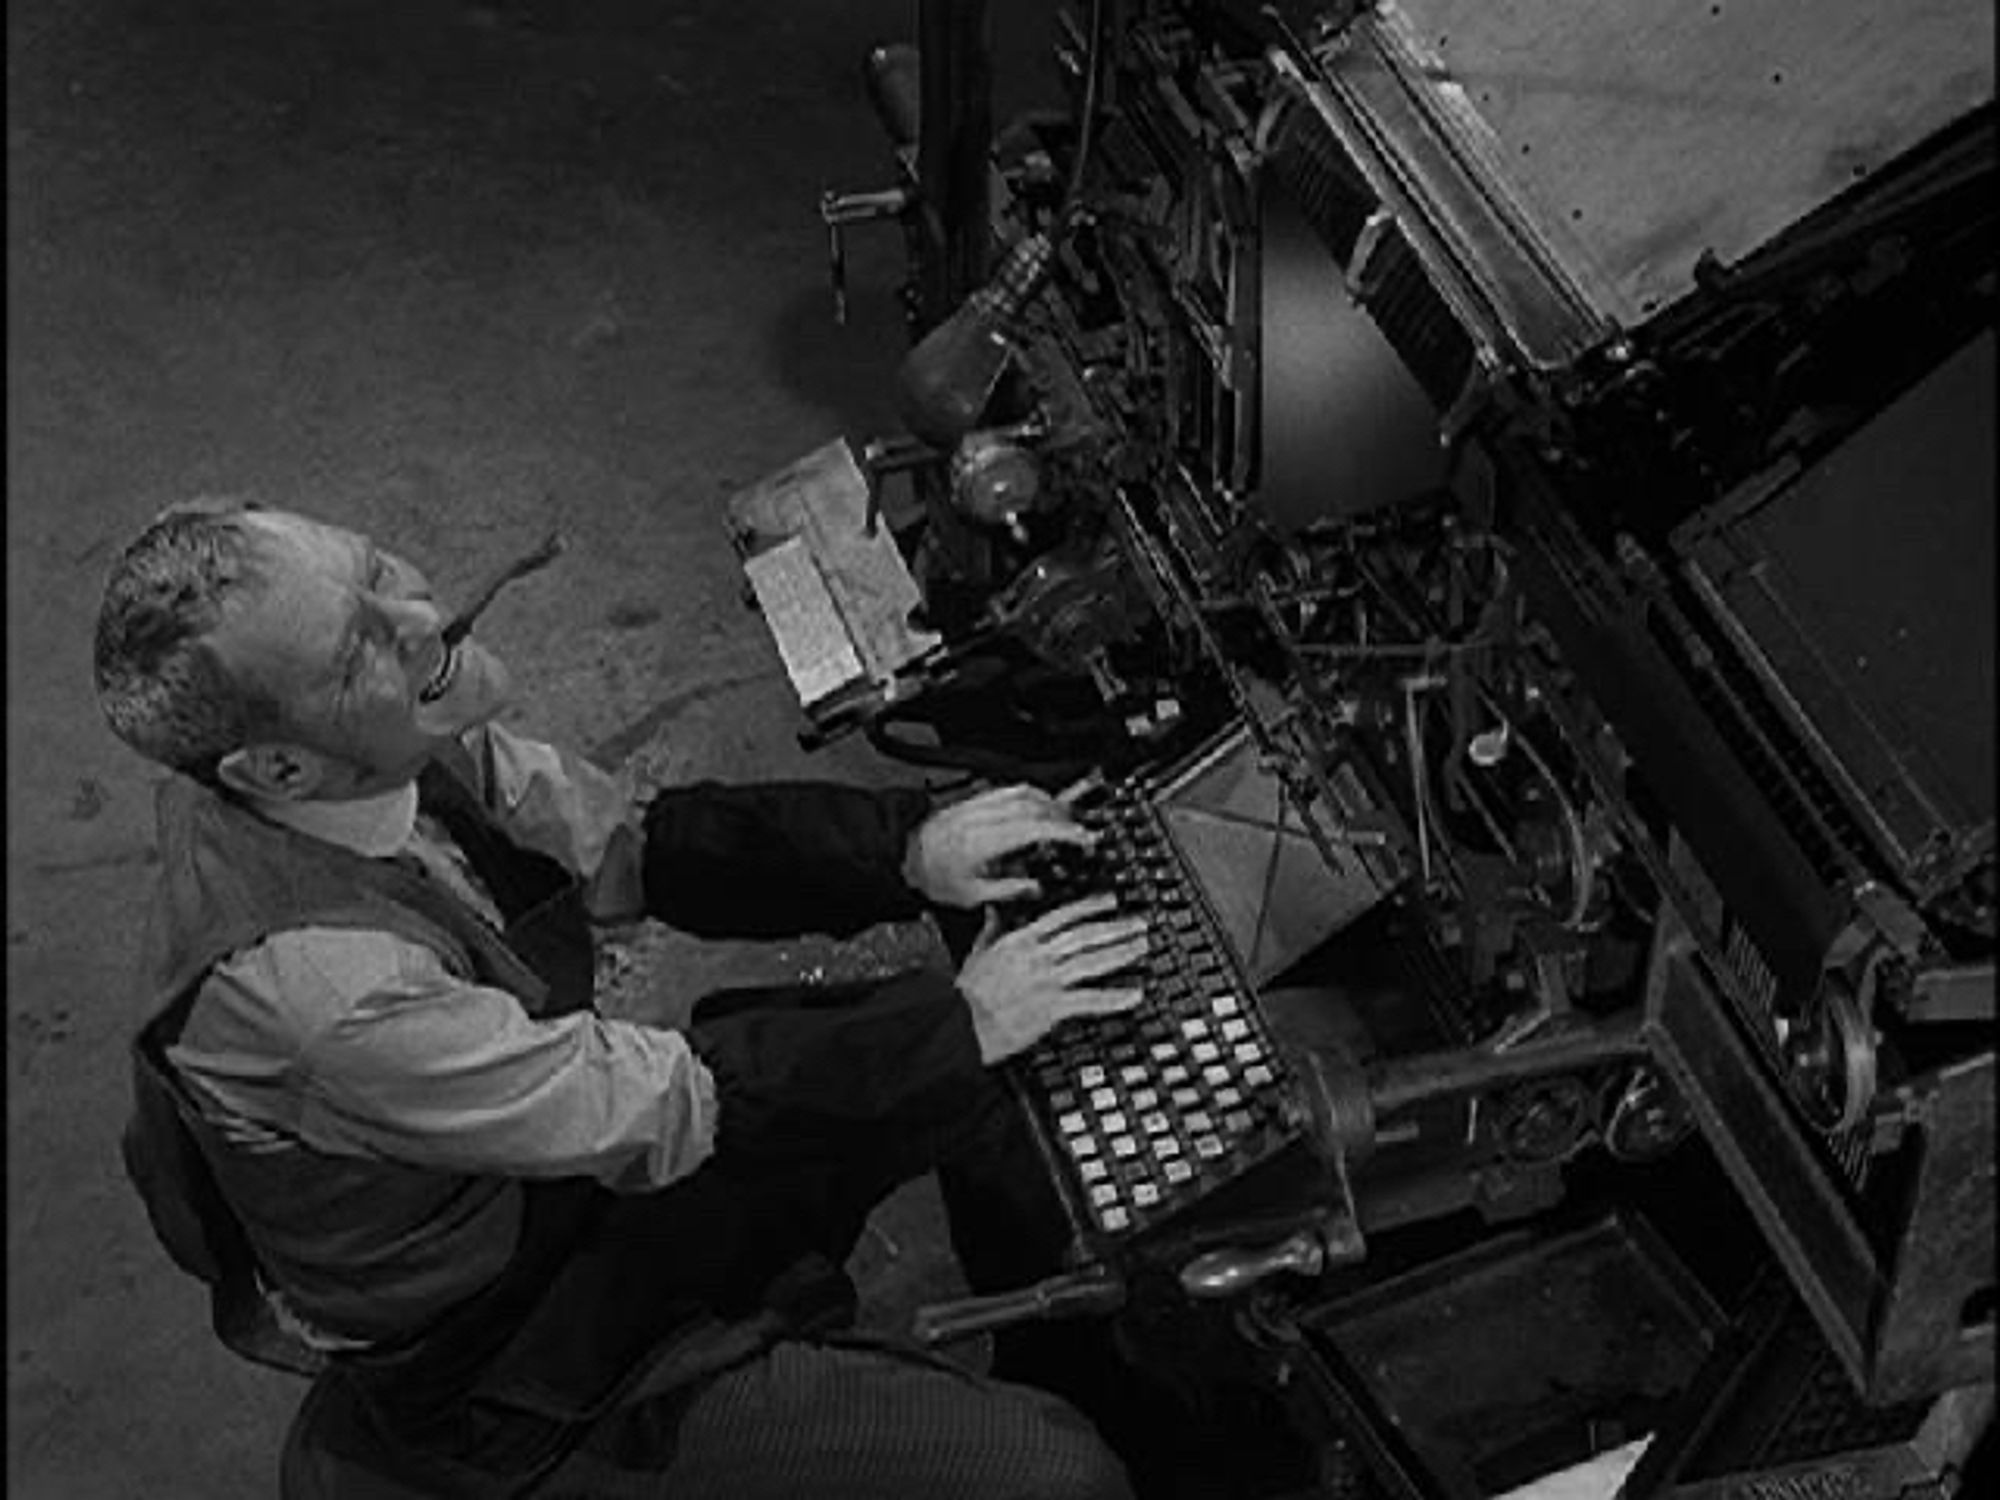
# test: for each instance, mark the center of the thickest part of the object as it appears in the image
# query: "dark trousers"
(678, 1342)
(738, 1238)
(844, 1419)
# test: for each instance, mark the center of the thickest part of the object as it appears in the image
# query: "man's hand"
(1020, 984)
(951, 852)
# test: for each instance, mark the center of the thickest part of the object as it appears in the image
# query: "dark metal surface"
(1637, 135)
(1862, 595)
(1345, 427)
(1602, 626)
(1510, 291)
(1960, 992)
(1331, 1401)
(1936, 1325)
(1774, 1165)
(1771, 1416)
(1520, 1354)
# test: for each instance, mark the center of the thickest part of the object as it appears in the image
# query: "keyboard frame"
(1278, 1127)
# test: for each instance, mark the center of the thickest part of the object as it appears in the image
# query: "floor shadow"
(848, 371)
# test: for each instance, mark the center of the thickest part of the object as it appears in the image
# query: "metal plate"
(1644, 132)
(1275, 898)
(1345, 426)
(1497, 1361)
(1863, 596)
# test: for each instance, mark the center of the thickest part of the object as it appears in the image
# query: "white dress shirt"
(362, 1043)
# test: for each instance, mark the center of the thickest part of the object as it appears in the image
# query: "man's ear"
(274, 770)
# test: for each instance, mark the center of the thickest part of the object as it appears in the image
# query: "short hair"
(160, 684)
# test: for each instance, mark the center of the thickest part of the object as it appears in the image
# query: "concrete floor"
(448, 273)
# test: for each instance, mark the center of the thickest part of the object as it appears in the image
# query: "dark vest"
(360, 1247)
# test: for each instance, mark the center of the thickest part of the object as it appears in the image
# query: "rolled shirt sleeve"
(362, 1043)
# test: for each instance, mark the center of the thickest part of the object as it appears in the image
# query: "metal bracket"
(1963, 992)
(837, 211)
(1892, 917)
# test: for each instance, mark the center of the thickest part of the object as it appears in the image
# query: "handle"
(1096, 1289)
(837, 211)
(860, 208)
(1224, 1273)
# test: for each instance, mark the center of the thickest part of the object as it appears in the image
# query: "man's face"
(345, 636)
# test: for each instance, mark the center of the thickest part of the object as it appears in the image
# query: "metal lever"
(890, 455)
(1095, 1289)
(837, 211)
(1224, 1273)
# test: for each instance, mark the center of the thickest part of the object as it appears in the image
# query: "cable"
(1086, 135)
(1582, 867)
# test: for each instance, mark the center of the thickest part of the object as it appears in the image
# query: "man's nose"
(414, 621)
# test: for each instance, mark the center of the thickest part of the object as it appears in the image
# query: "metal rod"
(1436, 1075)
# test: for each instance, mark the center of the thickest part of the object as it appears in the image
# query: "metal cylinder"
(893, 76)
(1404, 1081)
(1091, 1291)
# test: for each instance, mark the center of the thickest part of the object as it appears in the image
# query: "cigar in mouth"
(536, 558)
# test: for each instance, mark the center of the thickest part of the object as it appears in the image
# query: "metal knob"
(1225, 1273)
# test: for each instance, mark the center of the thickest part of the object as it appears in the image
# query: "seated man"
(531, 1247)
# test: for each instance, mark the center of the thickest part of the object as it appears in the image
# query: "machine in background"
(1499, 501)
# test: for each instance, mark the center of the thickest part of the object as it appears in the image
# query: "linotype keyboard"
(1148, 1111)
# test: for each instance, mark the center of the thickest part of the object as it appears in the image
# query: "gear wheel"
(1831, 1055)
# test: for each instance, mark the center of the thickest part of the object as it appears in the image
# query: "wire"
(1086, 135)
(1582, 867)
(1424, 650)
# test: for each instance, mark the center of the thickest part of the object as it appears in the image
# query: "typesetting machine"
(1489, 508)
